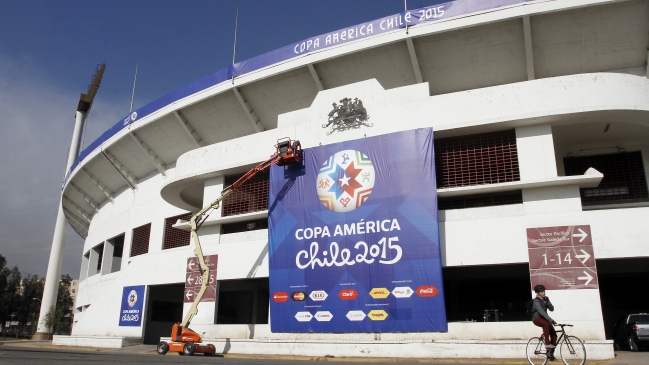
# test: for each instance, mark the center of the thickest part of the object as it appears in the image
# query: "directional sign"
(562, 257)
(570, 278)
(194, 279)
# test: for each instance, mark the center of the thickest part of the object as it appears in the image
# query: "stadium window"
(85, 262)
(96, 258)
(114, 248)
(250, 197)
(477, 159)
(140, 240)
(174, 237)
(481, 200)
(252, 225)
(624, 178)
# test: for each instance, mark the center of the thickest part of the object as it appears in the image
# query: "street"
(33, 353)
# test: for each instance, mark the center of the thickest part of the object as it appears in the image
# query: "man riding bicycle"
(540, 318)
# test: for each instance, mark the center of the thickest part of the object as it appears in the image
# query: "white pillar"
(51, 288)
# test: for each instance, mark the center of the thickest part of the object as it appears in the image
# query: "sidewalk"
(622, 357)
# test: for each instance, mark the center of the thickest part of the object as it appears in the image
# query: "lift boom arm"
(287, 152)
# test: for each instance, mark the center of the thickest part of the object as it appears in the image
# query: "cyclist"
(540, 318)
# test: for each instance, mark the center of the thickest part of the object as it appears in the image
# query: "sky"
(49, 51)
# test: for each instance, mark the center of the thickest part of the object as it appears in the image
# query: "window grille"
(477, 159)
(245, 226)
(140, 240)
(174, 237)
(250, 197)
(624, 177)
(482, 200)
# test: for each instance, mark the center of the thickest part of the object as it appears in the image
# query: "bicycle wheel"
(573, 351)
(536, 353)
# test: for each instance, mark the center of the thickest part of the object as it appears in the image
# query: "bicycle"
(571, 349)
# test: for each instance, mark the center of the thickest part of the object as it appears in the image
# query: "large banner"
(131, 311)
(354, 238)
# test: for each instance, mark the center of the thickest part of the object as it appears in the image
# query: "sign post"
(562, 257)
(193, 279)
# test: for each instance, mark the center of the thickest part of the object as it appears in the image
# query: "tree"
(29, 308)
(64, 302)
(9, 290)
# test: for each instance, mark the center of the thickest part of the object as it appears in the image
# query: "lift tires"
(162, 348)
(212, 351)
(189, 349)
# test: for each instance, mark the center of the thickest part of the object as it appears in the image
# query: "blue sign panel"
(132, 304)
(354, 238)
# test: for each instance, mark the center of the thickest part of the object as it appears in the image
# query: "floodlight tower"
(51, 288)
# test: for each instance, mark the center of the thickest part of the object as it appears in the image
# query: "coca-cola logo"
(427, 291)
(280, 296)
(348, 294)
(298, 296)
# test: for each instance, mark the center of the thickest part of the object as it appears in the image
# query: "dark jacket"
(540, 307)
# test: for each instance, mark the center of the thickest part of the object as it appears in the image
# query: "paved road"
(145, 354)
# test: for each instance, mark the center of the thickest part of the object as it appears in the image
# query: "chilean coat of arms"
(349, 114)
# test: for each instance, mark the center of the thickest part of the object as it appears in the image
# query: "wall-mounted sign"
(194, 279)
(562, 257)
(132, 303)
(354, 239)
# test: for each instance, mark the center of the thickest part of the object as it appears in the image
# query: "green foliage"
(17, 303)
(9, 290)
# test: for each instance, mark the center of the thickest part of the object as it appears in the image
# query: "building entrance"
(494, 293)
(623, 289)
(163, 308)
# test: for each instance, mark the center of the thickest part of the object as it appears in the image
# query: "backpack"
(530, 308)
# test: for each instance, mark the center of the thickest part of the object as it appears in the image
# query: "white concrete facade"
(467, 88)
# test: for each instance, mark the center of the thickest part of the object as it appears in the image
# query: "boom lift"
(184, 340)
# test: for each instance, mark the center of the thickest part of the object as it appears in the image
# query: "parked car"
(632, 331)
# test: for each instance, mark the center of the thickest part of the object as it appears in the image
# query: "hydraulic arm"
(184, 339)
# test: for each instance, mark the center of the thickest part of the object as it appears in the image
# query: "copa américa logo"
(345, 181)
(131, 300)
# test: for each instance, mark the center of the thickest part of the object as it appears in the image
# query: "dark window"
(245, 226)
(487, 293)
(243, 301)
(482, 200)
(140, 240)
(250, 197)
(624, 177)
(175, 237)
(486, 158)
(100, 255)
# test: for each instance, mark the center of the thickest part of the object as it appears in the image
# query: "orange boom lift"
(184, 340)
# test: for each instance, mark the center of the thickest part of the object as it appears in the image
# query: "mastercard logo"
(298, 296)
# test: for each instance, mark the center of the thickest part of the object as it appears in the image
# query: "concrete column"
(51, 288)
(535, 148)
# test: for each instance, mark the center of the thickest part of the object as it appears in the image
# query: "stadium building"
(539, 112)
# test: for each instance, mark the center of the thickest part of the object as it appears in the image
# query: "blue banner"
(132, 303)
(354, 238)
(390, 23)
